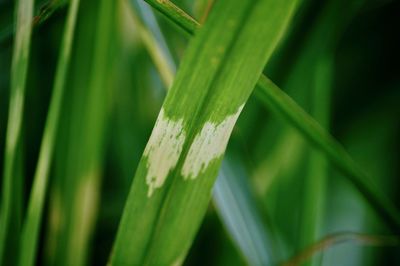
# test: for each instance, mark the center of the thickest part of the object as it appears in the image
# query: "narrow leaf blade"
(173, 182)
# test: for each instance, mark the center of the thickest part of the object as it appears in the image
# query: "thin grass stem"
(31, 227)
(12, 183)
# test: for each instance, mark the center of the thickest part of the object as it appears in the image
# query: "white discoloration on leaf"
(209, 144)
(163, 150)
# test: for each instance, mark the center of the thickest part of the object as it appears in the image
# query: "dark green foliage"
(327, 114)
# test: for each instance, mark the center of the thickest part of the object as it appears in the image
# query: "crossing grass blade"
(173, 182)
(283, 106)
(146, 14)
(237, 209)
(175, 14)
(31, 227)
(340, 238)
(154, 42)
(11, 204)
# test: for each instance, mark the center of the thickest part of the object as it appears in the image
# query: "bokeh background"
(339, 60)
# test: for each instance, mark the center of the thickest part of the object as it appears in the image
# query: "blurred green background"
(339, 61)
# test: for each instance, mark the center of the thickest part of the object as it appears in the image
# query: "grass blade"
(79, 156)
(340, 238)
(175, 14)
(30, 230)
(147, 16)
(315, 179)
(19, 69)
(200, 102)
(231, 194)
(282, 105)
(91, 133)
(285, 107)
(154, 42)
(237, 209)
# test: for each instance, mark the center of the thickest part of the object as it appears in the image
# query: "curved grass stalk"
(340, 238)
(282, 105)
(31, 227)
(12, 181)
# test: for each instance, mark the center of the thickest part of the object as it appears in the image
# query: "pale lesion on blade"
(208, 145)
(163, 150)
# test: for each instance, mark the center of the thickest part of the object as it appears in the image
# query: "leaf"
(75, 191)
(173, 182)
(278, 102)
(154, 41)
(317, 174)
(31, 227)
(231, 194)
(237, 208)
(12, 181)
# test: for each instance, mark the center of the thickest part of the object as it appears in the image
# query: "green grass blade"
(316, 177)
(84, 179)
(172, 196)
(281, 104)
(237, 209)
(31, 228)
(156, 47)
(10, 188)
(75, 190)
(175, 14)
(231, 194)
(146, 14)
